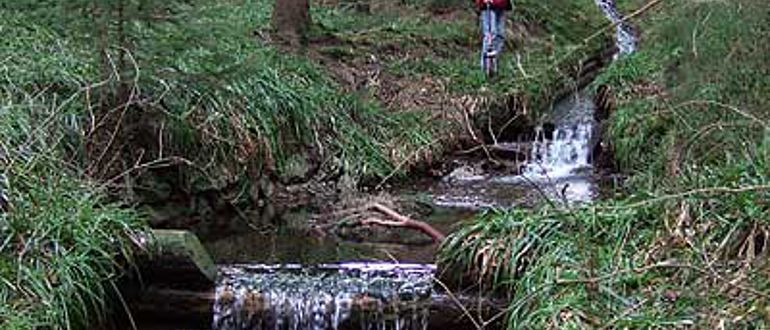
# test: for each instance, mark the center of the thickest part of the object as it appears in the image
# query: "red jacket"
(494, 4)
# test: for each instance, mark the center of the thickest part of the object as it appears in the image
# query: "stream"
(291, 281)
(558, 167)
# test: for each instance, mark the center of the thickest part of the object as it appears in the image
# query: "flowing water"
(558, 167)
(376, 296)
(625, 37)
(392, 295)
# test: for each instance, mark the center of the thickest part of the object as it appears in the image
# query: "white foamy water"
(377, 296)
(560, 156)
(558, 167)
(568, 149)
(625, 39)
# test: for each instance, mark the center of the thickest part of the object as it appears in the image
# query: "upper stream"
(396, 295)
(558, 166)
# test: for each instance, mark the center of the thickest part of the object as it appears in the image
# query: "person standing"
(492, 19)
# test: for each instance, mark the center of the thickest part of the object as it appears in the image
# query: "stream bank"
(558, 157)
(685, 246)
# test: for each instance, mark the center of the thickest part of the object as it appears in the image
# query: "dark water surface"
(296, 246)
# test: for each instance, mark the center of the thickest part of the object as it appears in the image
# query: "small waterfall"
(625, 38)
(569, 148)
(563, 156)
(376, 296)
(559, 161)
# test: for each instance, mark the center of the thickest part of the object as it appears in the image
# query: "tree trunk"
(291, 19)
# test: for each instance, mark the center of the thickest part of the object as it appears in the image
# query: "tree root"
(371, 215)
(403, 221)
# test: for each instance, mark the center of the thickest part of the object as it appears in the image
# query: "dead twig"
(403, 221)
(709, 190)
(460, 305)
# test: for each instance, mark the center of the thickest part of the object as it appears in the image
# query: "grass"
(218, 98)
(62, 244)
(545, 44)
(262, 105)
(221, 99)
(417, 50)
(687, 248)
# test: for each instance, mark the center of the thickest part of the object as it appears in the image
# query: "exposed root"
(402, 221)
(377, 214)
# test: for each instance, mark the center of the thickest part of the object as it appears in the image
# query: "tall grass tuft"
(62, 245)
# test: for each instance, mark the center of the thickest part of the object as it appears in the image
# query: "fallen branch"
(401, 221)
(522, 147)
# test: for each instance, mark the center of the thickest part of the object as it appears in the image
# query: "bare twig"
(126, 104)
(728, 107)
(403, 163)
(162, 162)
(460, 305)
(473, 135)
(709, 190)
(404, 221)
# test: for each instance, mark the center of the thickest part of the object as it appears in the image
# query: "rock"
(177, 256)
(464, 173)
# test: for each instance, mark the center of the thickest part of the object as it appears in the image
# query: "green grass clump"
(62, 245)
(252, 94)
(630, 263)
(696, 88)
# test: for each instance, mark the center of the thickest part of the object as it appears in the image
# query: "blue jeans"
(492, 20)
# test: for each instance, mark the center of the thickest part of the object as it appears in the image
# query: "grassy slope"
(688, 247)
(422, 59)
(544, 44)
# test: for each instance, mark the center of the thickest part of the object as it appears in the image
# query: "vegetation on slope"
(69, 132)
(440, 46)
(688, 247)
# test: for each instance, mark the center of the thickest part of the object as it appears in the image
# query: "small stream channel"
(291, 281)
(558, 166)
